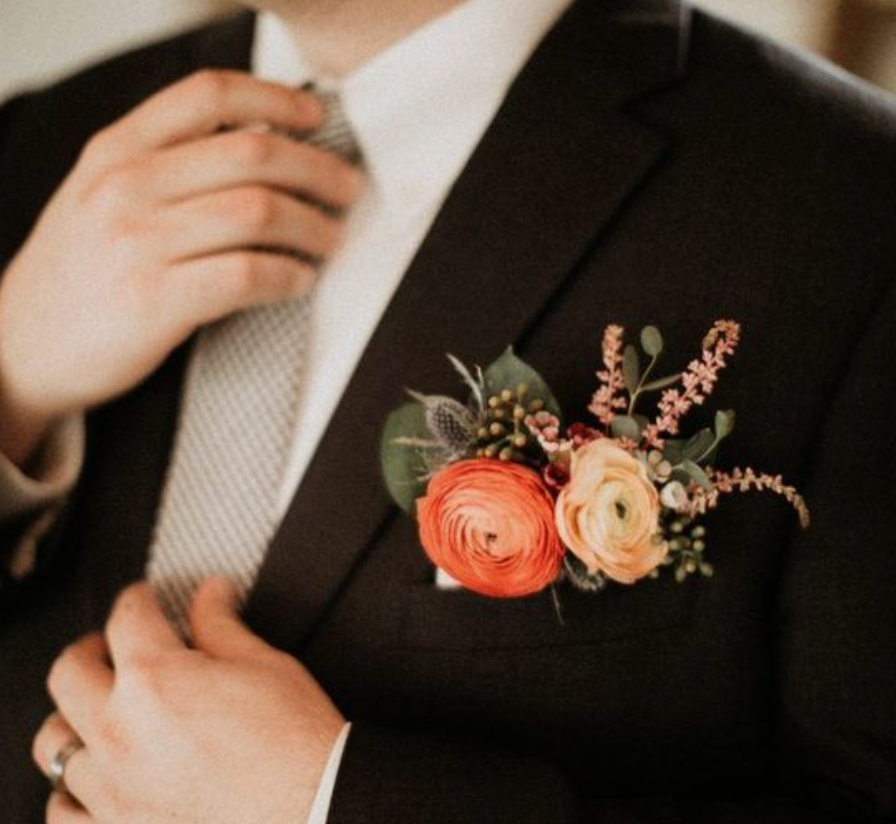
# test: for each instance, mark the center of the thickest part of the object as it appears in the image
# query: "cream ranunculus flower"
(608, 513)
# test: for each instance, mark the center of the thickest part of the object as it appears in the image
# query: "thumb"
(217, 628)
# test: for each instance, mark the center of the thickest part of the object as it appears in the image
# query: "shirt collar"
(419, 108)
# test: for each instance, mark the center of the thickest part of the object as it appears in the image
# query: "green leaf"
(724, 425)
(672, 451)
(404, 467)
(697, 474)
(508, 372)
(697, 446)
(651, 341)
(624, 426)
(631, 369)
(660, 383)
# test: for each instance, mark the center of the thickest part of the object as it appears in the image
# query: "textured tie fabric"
(218, 512)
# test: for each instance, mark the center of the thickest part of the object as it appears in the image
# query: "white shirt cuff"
(40, 493)
(320, 810)
(52, 477)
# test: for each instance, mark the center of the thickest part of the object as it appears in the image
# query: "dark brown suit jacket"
(650, 165)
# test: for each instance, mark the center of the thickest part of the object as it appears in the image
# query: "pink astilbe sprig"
(545, 428)
(745, 480)
(609, 394)
(698, 381)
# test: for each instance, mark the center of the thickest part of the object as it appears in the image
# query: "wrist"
(23, 428)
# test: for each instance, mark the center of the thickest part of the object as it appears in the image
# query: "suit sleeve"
(836, 647)
(30, 498)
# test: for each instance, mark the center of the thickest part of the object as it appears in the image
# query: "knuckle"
(112, 190)
(210, 85)
(246, 272)
(256, 209)
(126, 602)
(58, 674)
(129, 598)
(97, 148)
(252, 148)
(143, 676)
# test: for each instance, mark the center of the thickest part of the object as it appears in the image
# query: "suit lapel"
(557, 164)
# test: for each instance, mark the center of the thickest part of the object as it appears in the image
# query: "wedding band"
(56, 771)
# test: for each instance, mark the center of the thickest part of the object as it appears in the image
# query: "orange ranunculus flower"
(608, 513)
(490, 525)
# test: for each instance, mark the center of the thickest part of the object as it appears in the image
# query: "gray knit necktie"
(219, 511)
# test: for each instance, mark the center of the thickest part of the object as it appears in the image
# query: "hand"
(229, 732)
(166, 223)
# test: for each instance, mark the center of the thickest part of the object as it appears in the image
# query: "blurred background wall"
(43, 39)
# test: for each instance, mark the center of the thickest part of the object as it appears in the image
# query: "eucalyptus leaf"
(678, 474)
(509, 371)
(624, 426)
(631, 369)
(724, 424)
(661, 383)
(696, 446)
(404, 467)
(697, 474)
(673, 451)
(651, 341)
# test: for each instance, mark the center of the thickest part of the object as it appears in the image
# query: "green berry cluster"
(686, 547)
(501, 433)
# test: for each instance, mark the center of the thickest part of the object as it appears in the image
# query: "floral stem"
(637, 393)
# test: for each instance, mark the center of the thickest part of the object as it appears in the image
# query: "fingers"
(80, 681)
(54, 734)
(217, 628)
(202, 104)
(243, 158)
(137, 629)
(245, 218)
(206, 289)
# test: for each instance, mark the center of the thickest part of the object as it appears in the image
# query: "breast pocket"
(459, 619)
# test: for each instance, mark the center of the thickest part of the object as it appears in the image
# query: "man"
(647, 164)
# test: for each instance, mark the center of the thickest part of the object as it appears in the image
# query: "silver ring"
(56, 771)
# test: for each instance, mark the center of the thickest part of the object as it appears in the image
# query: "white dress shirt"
(417, 110)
